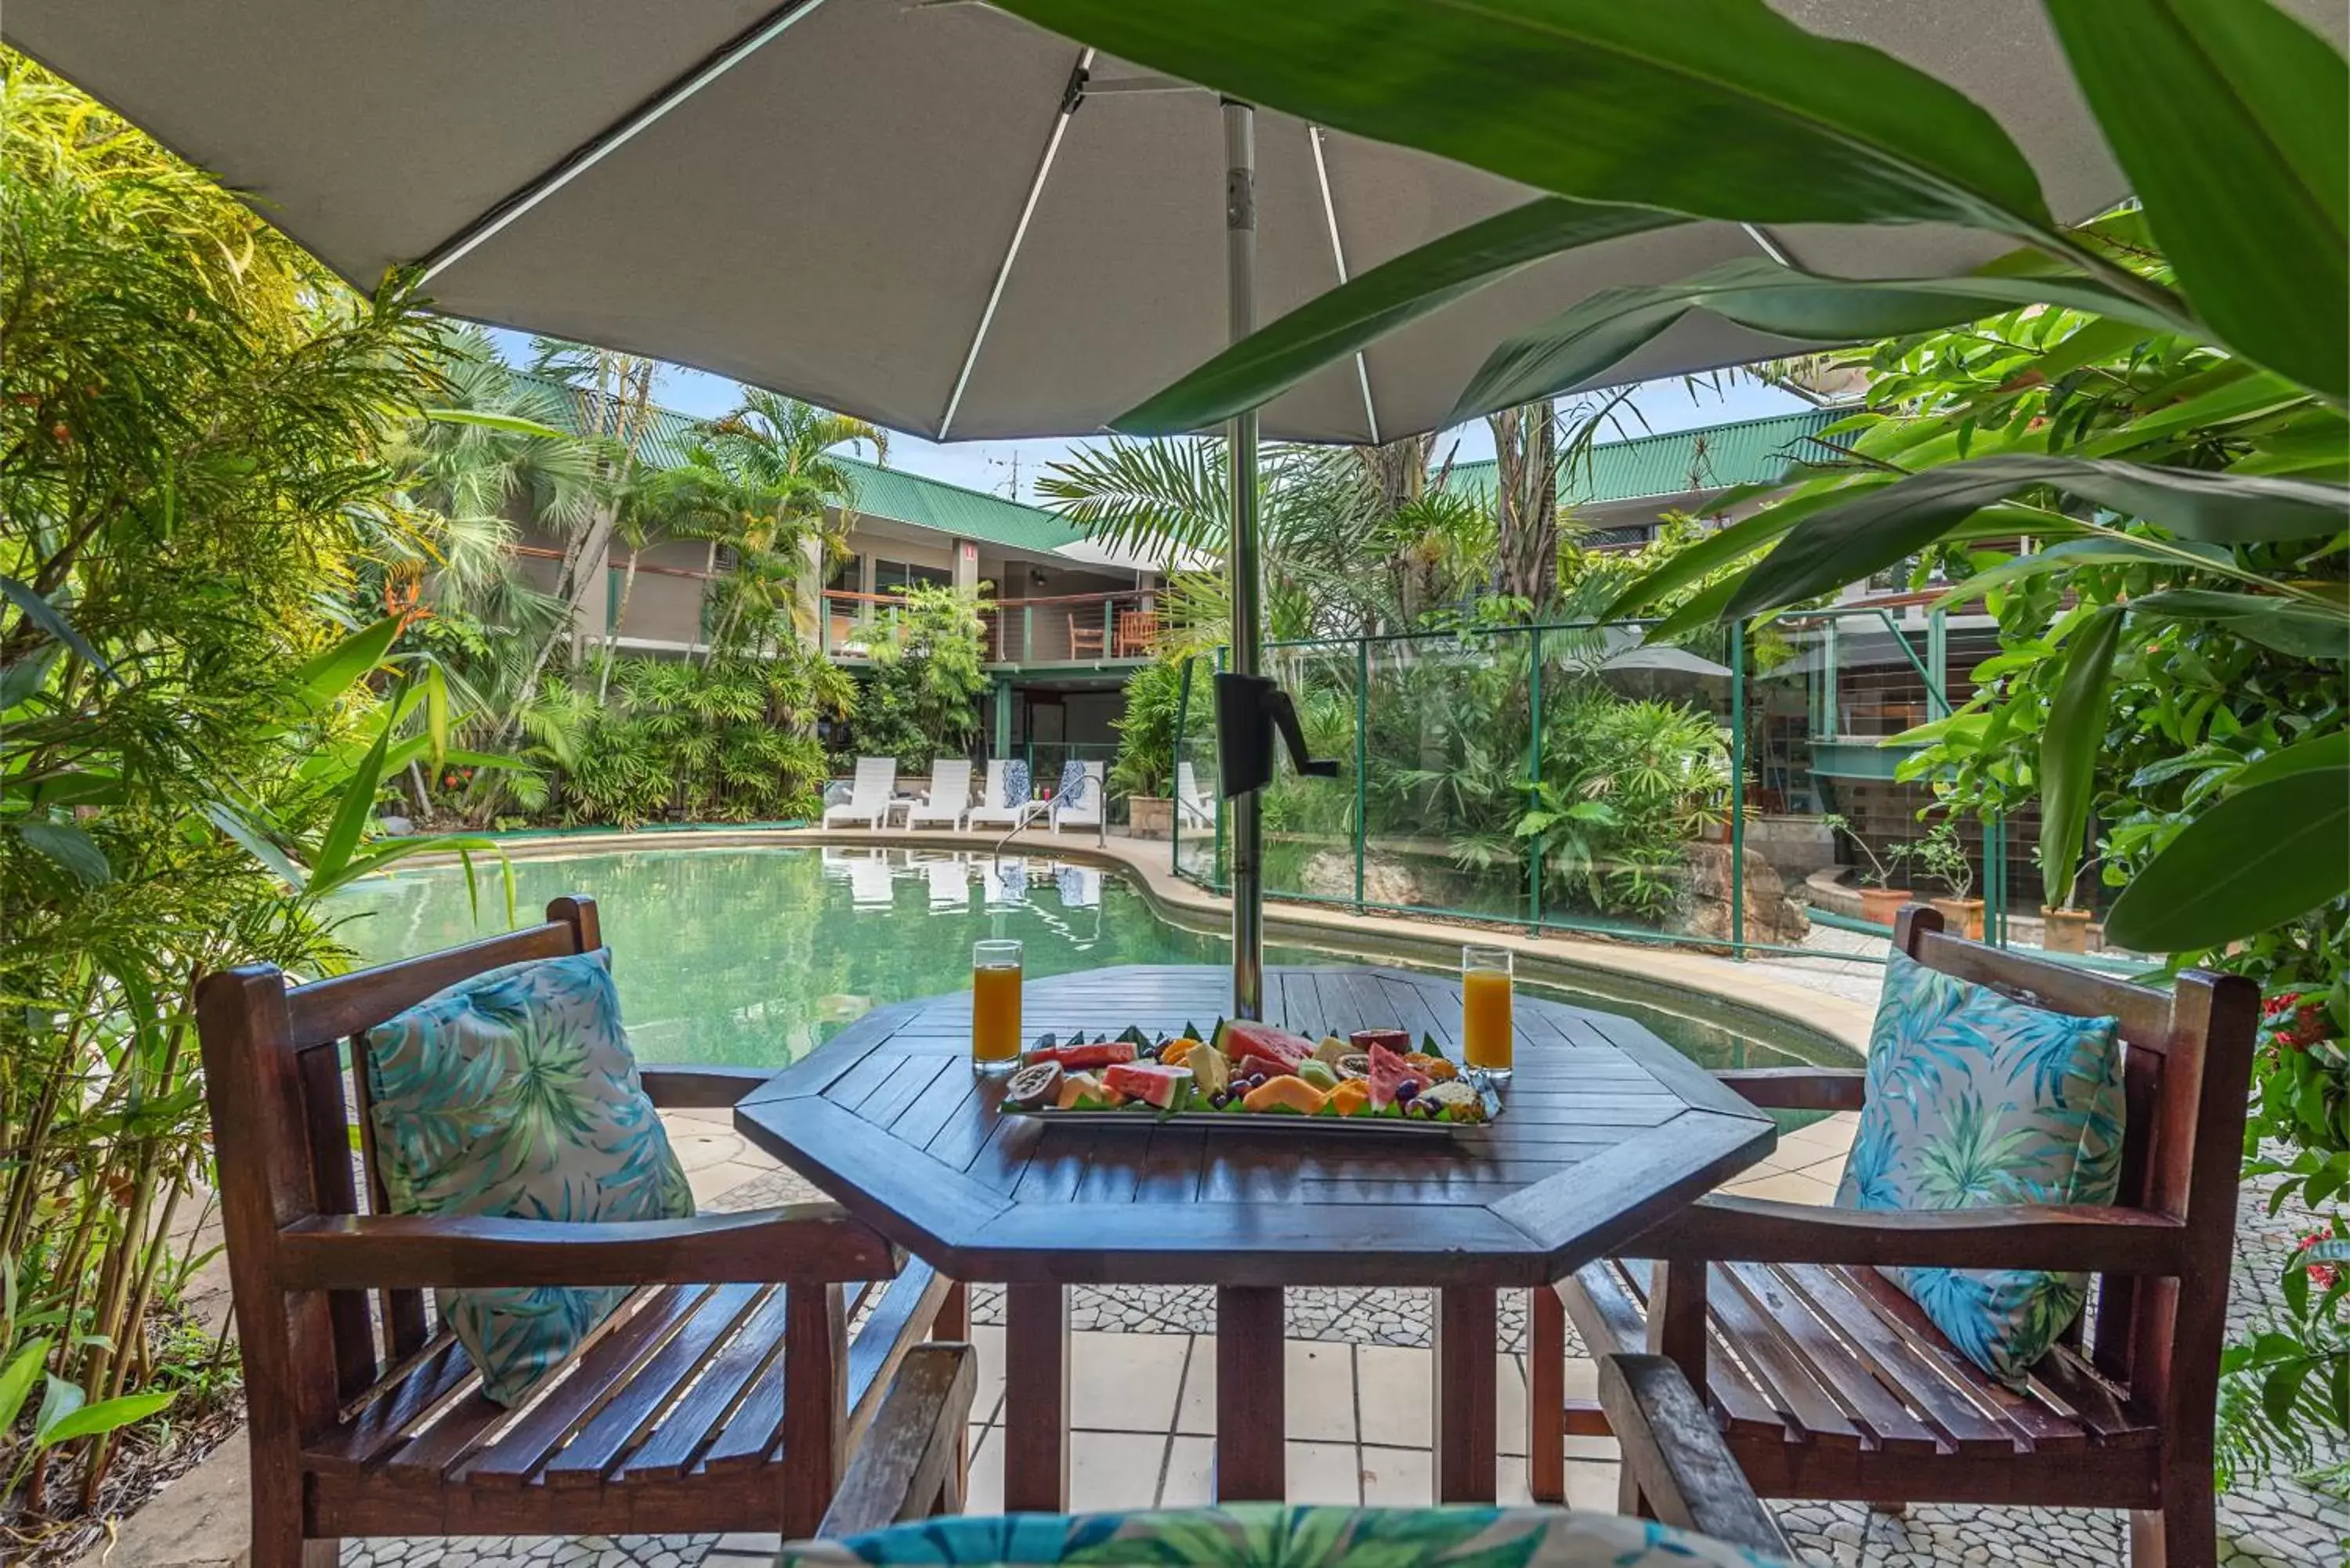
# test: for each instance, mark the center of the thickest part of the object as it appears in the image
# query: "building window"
(888, 575)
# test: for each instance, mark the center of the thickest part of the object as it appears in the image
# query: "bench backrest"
(284, 1098)
(2187, 1068)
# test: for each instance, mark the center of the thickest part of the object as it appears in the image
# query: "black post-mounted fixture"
(1248, 709)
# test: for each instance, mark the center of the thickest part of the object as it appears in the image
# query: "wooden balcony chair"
(1830, 1383)
(1084, 640)
(1138, 631)
(725, 1395)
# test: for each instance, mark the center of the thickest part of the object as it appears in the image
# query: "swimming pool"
(755, 956)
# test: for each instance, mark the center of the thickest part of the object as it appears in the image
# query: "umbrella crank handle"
(1285, 716)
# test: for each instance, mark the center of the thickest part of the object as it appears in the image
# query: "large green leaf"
(1332, 326)
(1724, 546)
(105, 1415)
(2229, 117)
(329, 674)
(1849, 542)
(16, 1380)
(2324, 752)
(2069, 747)
(50, 619)
(1719, 108)
(2261, 856)
(352, 812)
(1583, 343)
(71, 848)
(2289, 626)
(512, 424)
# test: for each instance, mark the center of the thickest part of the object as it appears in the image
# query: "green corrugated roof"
(894, 494)
(1749, 451)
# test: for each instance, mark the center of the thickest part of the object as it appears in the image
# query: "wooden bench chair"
(1828, 1381)
(725, 1395)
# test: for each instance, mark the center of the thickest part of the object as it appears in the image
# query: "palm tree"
(766, 483)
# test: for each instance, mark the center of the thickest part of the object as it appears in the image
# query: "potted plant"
(1145, 767)
(1944, 856)
(1880, 900)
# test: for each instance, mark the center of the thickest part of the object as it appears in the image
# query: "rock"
(1771, 915)
(396, 826)
(1330, 874)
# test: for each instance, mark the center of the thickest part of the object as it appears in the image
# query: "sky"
(1654, 408)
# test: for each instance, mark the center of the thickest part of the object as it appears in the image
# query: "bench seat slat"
(631, 1412)
(677, 1440)
(518, 1451)
(1880, 1416)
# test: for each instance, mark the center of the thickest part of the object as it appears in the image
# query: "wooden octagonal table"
(1605, 1131)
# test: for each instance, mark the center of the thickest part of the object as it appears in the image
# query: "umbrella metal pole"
(1248, 612)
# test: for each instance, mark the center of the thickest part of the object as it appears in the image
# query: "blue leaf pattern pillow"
(1976, 1101)
(1075, 791)
(515, 1094)
(1273, 1535)
(1015, 785)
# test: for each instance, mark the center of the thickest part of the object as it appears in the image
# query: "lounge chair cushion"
(1273, 1535)
(515, 1094)
(1974, 1099)
(1077, 790)
(1015, 787)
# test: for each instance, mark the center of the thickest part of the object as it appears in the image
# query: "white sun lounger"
(948, 801)
(1080, 805)
(869, 794)
(996, 810)
(1191, 799)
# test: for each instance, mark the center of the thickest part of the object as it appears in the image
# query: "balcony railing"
(1069, 628)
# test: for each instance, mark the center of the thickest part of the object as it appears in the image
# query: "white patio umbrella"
(932, 215)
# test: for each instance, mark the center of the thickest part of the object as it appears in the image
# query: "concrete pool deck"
(1358, 1360)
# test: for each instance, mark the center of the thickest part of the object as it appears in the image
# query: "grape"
(1256, 1080)
(1407, 1089)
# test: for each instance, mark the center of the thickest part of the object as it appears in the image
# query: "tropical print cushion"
(1271, 1535)
(1015, 785)
(1076, 792)
(515, 1094)
(1975, 1100)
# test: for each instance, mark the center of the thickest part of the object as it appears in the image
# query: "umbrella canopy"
(935, 216)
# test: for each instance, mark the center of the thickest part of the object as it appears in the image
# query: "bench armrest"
(804, 1243)
(700, 1089)
(2069, 1238)
(909, 1465)
(1674, 1454)
(1798, 1088)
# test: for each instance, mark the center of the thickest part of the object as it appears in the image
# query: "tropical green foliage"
(1155, 710)
(730, 743)
(194, 419)
(920, 700)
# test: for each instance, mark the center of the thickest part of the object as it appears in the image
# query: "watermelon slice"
(1388, 1071)
(1083, 1058)
(1252, 1063)
(1239, 1039)
(1162, 1086)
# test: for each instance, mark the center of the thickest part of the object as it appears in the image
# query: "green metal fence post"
(1533, 775)
(1738, 790)
(1362, 765)
(1938, 659)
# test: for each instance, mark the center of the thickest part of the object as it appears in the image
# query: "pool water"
(754, 957)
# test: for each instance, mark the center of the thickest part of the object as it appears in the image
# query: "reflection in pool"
(754, 956)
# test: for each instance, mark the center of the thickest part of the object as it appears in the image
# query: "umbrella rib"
(613, 136)
(1070, 99)
(1338, 256)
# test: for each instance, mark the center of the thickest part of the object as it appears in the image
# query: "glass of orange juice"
(1485, 981)
(995, 1005)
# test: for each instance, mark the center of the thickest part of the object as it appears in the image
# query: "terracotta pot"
(1962, 916)
(1880, 905)
(2065, 930)
(1149, 815)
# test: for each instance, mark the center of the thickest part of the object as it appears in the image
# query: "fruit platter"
(1241, 1075)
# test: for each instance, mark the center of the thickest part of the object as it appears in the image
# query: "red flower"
(2290, 1018)
(2322, 1275)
